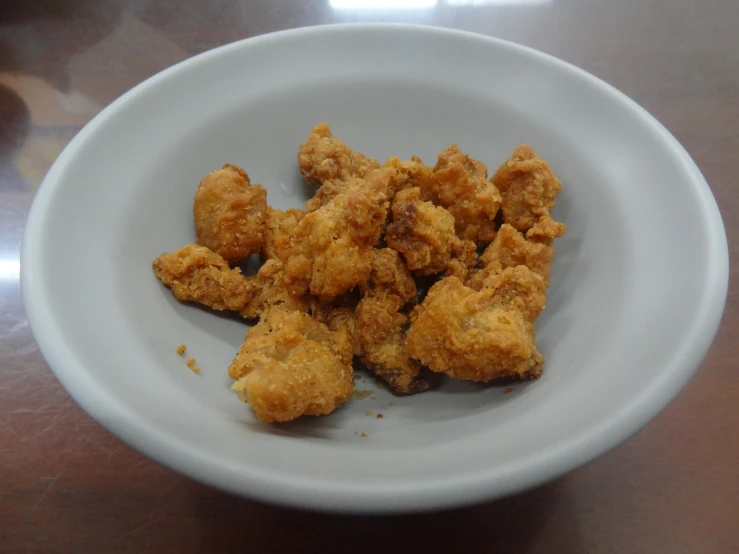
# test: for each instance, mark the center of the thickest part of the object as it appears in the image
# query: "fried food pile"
(345, 278)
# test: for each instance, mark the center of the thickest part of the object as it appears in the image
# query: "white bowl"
(638, 283)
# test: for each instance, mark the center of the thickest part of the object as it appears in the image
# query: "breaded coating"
(424, 234)
(270, 291)
(529, 187)
(382, 329)
(382, 325)
(291, 365)
(546, 230)
(195, 274)
(475, 277)
(333, 245)
(421, 232)
(510, 248)
(459, 184)
(329, 190)
(517, 288)
(229, 214)
(410, 173)
(278, 233)
(343, 278)
(471, 335)
(391, 274)
(324, 157)
(342, 317)
(338, 313)
(464, 259)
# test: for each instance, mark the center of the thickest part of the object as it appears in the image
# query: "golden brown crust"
(421, 232)
(229, 214)
(408, 174)
(545, 230)
(510, 248)
(338, 318)
(517, 288)
(390, 273)
(328, 292)
(279, 231)
(324, 157)
(464, 259)
(381, 325)
(343, 169)
(459, 184)
(529, 187)
(195, 274)
(270, 292)
(291, 365)
(471, 335)
(333, 245)
(329, 190)
(382, 328)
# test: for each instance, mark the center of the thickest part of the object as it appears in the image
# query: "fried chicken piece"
(324, 157)
(329, 190)
(475, 277)
(546, 230)
(472, 335)
(196, 274)
(509, 249)
(339, 313)
(382, 328)
(391, 274)
(421, 232)
(270, 291)
(424, 234)
(338, 318)
(279, 230)
(464, 259)
(229, 214)
(459, 184)
(382, 325)
(521, 289)
(291, 365)
(517, 288)
(388, 273)
(409, 173)
(333, 245)
(529, 187)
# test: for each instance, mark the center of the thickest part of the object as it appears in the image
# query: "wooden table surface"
(67, 485)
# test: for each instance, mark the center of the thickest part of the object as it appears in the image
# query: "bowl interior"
(628, 280)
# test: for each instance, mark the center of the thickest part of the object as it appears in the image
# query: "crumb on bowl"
(361, 394)
(193, 365)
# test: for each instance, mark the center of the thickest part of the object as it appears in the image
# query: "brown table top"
(67, 485)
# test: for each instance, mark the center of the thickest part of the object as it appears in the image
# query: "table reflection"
(493, 2)
(9, 268)
(381, 4)
(421, 4)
